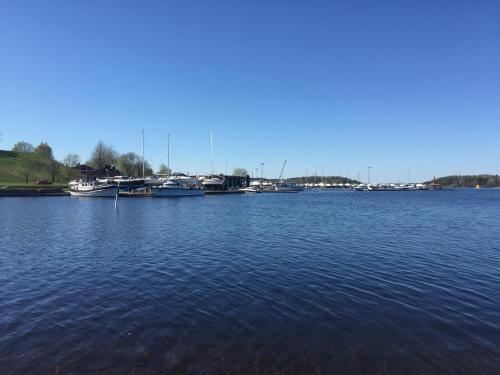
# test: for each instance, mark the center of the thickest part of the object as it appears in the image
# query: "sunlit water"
(346, 282)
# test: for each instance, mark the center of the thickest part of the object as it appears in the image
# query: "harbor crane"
(282, 169)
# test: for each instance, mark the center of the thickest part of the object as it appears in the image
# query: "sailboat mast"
(168, 152)
(212, 151)
(143, 169)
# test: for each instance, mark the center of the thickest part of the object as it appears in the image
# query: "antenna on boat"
(143, 174)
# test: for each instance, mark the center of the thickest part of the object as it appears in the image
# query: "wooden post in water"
(116, 197)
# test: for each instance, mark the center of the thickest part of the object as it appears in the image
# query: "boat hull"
(288, 189)
(103, 193)
(249, 190)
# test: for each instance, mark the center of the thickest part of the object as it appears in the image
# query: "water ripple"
(323, 282)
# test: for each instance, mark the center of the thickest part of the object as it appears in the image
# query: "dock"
(221, 192)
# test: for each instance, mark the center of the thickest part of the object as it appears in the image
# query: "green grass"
(15, 165)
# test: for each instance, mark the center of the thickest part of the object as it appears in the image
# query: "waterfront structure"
(213, 182)
(224, 183)
(92, 173)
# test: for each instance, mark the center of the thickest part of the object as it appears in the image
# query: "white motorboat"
(214, 182)
(249, 190)
(93, 189)
(183, 179)
(174, 188)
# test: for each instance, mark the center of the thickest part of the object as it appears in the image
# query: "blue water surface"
(314, 282)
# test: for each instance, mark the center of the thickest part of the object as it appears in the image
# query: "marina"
(183, 185)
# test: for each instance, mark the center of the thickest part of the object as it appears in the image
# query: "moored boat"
(214, 182)
(249, 190)
(287, 187)
(93, 189)
(174, 188)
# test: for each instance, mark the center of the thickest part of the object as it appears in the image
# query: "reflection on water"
(403, 282)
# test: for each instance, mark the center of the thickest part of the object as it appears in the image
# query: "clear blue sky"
(328, 85)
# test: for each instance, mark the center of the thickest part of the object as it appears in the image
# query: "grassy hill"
(484, 180)
(17, 168)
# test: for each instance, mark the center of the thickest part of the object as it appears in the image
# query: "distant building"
(223, 183)
(92, 173)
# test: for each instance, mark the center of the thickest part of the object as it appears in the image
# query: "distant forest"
(484, 180)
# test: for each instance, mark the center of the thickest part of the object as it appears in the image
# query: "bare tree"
(103, 155)
(70, 161)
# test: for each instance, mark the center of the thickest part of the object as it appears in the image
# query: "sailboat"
(286, 187)
(176, 185)
(213, 182)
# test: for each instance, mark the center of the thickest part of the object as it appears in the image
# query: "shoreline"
(33, 192)
(60, 192)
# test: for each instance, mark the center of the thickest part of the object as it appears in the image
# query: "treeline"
(28, 163)
(486, 180)
(104, 156)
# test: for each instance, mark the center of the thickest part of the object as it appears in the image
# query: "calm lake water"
(346, 282)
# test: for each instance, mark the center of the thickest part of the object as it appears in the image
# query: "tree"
(45, 150)
(129, 163)
(240, 172)
(164, 170)
(23, 147)
(27, 166)
(70, 161)
(103, 155)
(148, 171)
